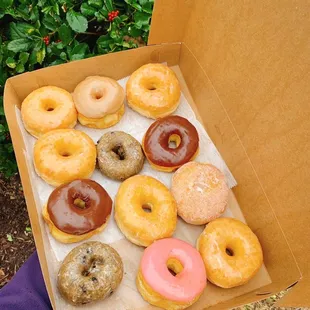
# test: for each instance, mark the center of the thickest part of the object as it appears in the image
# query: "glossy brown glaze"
(79, 206)
(156, 141)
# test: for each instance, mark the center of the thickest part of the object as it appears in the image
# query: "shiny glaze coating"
(97, 96)
(156, 142)
(140, 227)
(69, 217)
(48, 108)
(231, 252)
(184, 286)
(153, 91)
(63, 155)
(91, 271)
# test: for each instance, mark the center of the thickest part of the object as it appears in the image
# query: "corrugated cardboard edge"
(17, 139)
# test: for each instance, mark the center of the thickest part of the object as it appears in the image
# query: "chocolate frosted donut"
(90, 272)
(156, 143)
(120, 155)
(77, 210)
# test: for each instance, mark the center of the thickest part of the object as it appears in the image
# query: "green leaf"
(28, 229)
(134, 32)
(20, 30)
(63, 56)
(101, 15)
(96, 3)
(76, 21)
(23, 57)
(2, 13)
(88, 10)
(11, 63)
(141, 19)
(9, 237)
(109, 5)
(34, 15)
(142, 2)
(56, 9)
(65, 34)
(57, 62)
(19, 45)
(5, 4)
(33, 57)
(50, 23)
(79, 51)
(20, 68)
(41, 55)
(147, 7)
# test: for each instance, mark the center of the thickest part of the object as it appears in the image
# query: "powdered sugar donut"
(200, 191)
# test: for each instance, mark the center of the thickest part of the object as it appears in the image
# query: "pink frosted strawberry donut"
(171, 275)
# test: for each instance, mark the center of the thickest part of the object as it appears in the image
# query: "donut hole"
(151, 87)
(67, 148)
(174, 266)
(147, 207)
(174, 141)
(80, 203)
(119, 151)
(97, 93)
(229, 252)
(49, 105)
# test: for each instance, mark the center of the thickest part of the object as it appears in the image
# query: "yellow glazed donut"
(99, 101)
(46, 109)
(153, 91)
(145, 210)
(63, 155)
(231, 252)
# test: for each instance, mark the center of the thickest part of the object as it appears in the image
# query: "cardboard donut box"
(245, 66)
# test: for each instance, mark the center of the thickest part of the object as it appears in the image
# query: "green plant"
(40, 33)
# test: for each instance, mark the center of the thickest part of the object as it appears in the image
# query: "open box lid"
(256, 56)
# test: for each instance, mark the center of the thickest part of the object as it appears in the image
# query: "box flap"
(256, 56)
(169, 20)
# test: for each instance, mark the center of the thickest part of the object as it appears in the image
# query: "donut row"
(172, 274)
(98, 102)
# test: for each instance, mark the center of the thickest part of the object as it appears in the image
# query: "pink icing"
(186, 285)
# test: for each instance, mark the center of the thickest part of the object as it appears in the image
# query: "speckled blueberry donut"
(90, 272)
(120, 155)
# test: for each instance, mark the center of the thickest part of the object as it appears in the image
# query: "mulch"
(16, 240)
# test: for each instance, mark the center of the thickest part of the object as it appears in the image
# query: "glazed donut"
(169, 129)
(90, 272)
(99, 101)
(231, 252)
(120, 155)
(145, 210)
(179, 288)
(153, 91)
(77, 210)
(46, 109)
(200, 191)
(63, 155)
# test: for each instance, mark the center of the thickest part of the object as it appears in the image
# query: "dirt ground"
(17, 244)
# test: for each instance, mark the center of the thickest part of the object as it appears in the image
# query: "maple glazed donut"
(200, 191)
(231, 252)
(161, 133)
(120, 155)
(63, 155)
(90, 272)
(46, 109)
(153, 91)
(77, 210)
(172, 275)
(145, 210)
(99, 101)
